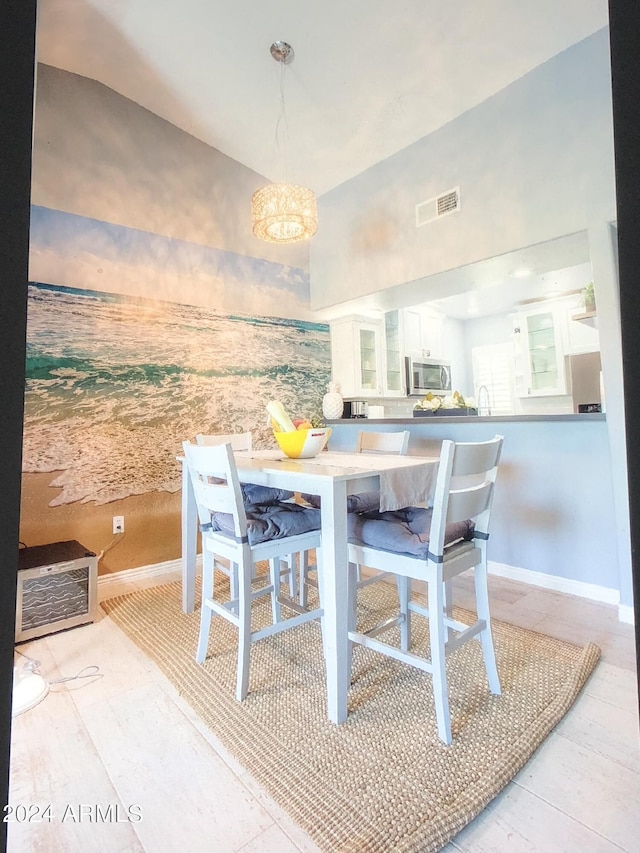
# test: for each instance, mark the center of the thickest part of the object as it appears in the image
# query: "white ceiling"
(369, 76)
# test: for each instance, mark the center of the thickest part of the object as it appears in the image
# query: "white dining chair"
(223, 524)
(367, 442)
(244, 441)
(238, 441)
(458, 505)
(383, 442)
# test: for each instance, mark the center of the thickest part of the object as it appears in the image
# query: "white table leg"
(189, 541)
(335, 603)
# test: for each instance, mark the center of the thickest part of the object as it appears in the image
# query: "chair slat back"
(469, 501)
(238, 440)
(214, 476)
(383, 442)
(476, 457)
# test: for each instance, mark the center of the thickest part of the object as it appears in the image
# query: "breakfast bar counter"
(436, 418)
(556, 513)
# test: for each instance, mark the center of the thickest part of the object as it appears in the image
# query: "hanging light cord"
(282, 148)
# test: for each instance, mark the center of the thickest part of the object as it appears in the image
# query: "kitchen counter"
(472, 419)
(554, 509)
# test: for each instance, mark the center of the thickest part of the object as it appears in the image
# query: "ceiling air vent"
(438, 206)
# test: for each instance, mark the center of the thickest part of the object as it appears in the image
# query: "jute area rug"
(382, 781)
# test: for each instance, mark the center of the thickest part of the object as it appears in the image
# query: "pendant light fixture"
(283, 212)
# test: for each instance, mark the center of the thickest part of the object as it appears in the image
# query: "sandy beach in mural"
(152, 524)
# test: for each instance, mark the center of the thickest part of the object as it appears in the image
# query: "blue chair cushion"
(366, 502)
(270, 521)
(405, 531)
(255, 494)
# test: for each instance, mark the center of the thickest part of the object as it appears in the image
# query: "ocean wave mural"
(116, 381)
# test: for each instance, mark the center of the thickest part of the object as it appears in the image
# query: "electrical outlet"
(118, 523)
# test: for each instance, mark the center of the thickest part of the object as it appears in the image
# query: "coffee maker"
(355, 409)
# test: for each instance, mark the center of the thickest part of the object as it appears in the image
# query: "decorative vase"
(332, 402)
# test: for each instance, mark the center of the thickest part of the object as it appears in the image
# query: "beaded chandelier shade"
(284, 212)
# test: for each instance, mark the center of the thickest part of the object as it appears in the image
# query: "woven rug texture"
(383, 781)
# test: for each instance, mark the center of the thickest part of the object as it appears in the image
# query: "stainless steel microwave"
(427, 374)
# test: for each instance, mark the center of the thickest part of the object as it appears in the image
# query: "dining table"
(333, 476)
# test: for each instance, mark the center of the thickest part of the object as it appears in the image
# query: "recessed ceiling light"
(472, 305)
(521, 272)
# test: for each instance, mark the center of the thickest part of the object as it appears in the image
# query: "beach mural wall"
(137, 340)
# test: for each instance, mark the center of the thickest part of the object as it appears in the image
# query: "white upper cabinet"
(356, 356)
(394, 378)
(539, 352)
(432, 337)
(368, 352)
(582, 332)
(367, 355)
(412, 325)
(422, 332)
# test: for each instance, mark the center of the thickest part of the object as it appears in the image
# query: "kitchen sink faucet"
(480, 404)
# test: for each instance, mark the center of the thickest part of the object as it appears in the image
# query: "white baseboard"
(128, 580)
(120, 583)
(626, 614)
(593, 591)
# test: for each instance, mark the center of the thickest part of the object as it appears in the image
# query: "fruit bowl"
(303, 443)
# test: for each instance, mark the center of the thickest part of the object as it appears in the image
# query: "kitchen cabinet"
(432, 337)
(394, 378)
(368, 372)
(422, 332)
(539, 353)
(412, 325)
(582, 332)
(356, 356)
(367, 355)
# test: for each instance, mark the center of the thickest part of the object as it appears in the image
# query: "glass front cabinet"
(539, 354)
(356, 356)
(394, 354)
(367, 357)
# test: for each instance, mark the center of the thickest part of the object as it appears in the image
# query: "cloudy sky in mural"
(90, 254)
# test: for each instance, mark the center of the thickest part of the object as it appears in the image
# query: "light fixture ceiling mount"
(283, 212)
(282, 52)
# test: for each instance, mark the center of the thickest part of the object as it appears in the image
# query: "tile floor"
(103, 751)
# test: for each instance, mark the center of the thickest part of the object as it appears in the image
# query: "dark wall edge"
(624, 36)
(17, 63)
